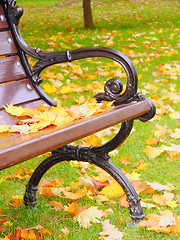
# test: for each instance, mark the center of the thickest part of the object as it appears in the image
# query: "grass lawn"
(147, 32)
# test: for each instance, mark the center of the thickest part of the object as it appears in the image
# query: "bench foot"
(30, 197)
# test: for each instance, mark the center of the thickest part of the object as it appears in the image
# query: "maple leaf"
(113, 189)
(22, 129)
(147, 205)
(165, 222)
(74, 209)
(65, 231)
(124, 160)
(123, 201)
(56, 205)
(3, 128)
(90, 215)
(13, 110)
(176, 134)
(152, 141)
(166, 199)
(15, 203)
(77, 195)
(110, 232)
(160, 187)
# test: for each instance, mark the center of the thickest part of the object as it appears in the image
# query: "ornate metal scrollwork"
(112, 90)
(14, 12)
(46, 60)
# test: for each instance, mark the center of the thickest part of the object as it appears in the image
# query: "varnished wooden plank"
(11, 69)
(21, 148)
(3, 22)
(7, 44)
(17, 92)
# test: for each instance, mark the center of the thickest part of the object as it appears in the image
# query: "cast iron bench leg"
(94, 155)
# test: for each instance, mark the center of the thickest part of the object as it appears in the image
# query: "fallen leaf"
(74, 209)
(90, 215)
(56, 205)
(110, 232)
(113, 189)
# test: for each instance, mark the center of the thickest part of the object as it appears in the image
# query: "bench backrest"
(16, 86)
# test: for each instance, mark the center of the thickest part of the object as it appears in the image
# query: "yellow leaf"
(113, 189)
(79, 194)
(13, 110)
(172, 204)
(48, 89)
(133, 176)
(4, 128)
(18, 197)
(152, 141)
(153, 152)
(2, 179)
(141, 167)
(5, 238)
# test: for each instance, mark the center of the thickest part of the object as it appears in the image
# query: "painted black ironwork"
(94, 155)
(113, 91)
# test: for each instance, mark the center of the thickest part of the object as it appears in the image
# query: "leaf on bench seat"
(34, 120)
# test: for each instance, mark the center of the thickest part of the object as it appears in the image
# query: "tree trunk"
(88, 20)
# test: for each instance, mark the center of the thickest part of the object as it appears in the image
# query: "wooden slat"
(3, 22)
(5, 118)
(14, 65)
(7, 45)
(17, 92)
(21, 148)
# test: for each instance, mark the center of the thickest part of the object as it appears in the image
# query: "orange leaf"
(123, 201)
(124, 160)
(152, 141)
(79, 194)
(15, 203)
(56, 205)
(74, 209)
(46, 191)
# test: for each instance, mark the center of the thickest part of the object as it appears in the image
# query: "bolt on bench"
(20, 86)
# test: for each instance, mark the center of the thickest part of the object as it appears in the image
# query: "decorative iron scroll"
(112, 90)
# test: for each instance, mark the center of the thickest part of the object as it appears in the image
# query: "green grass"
(153, 26)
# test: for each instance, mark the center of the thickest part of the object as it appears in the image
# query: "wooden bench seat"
(20, 85)
(47, 140)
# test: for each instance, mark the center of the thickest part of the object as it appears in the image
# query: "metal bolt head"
(29, 86)
(2, 18)
(10, 41)
(18, 64)
(46, 105)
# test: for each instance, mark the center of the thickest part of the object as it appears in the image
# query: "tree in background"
(88, 19)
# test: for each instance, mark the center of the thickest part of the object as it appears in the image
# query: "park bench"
(20, 86)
